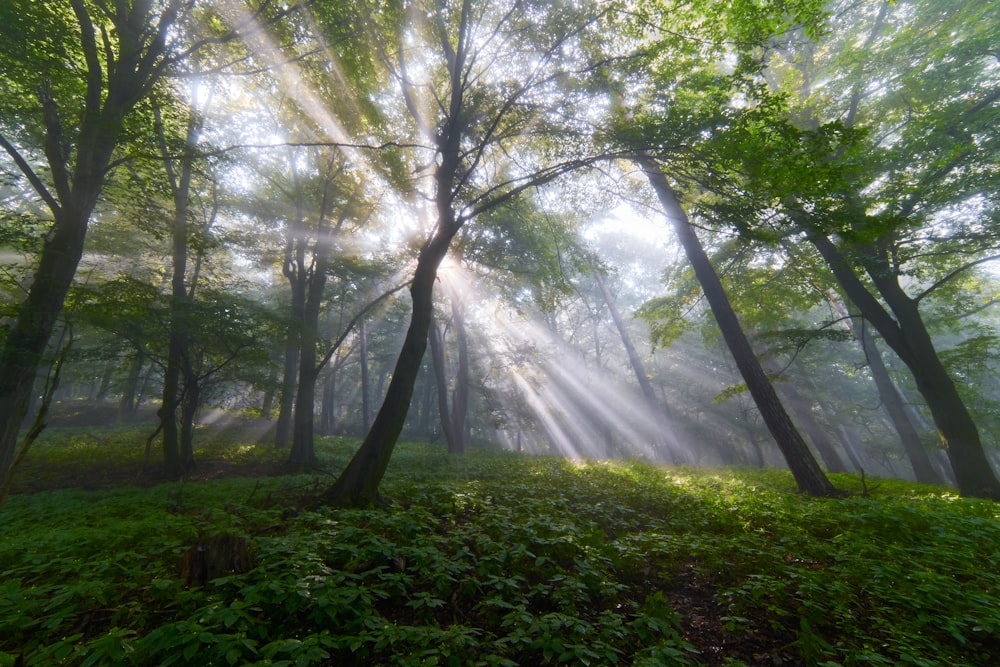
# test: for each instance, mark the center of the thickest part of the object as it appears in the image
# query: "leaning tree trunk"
(808, 475)
(801, 409)
(358, 483)
(26, 342)
(656, 411)
(923, 470)
(908, 337)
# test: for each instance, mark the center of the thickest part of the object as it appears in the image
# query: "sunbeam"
(295, 85)
(560, 404)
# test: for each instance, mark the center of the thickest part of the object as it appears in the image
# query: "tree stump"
(216, 557)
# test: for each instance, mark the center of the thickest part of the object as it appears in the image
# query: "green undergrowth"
(500, 559)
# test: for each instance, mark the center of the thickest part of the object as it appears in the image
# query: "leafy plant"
(501, 559)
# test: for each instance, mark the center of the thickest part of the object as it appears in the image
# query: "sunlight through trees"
(694, 233)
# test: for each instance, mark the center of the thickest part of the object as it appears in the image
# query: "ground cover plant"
(493, 559)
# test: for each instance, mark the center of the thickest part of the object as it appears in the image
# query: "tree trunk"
(807, 473)
(177, 343)
(176, 462)
(366, 406)
(640, 373)
(127, 404)
(286, 397)
(460, 395)
(358, 483)
(104, 386)
(633, 355)
(425, 422)
(923, 470)
(327, 413)
(267, 400)
(907, 335)
(26, 341)
(436, 339)
(801, 409)
(190, 402)
(303, 453)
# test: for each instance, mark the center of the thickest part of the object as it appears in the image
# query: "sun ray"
(580, 411)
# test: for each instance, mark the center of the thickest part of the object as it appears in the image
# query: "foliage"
(499, 559)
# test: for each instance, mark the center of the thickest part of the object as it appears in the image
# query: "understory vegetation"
(491, 558)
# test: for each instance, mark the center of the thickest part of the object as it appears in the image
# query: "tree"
(123, 53)
(474, 119)
(178, 448)
(61, 127)
(638, 368)
(454, 415)
(892, 400)
(341, 198)
(886, 184)
(807, 473)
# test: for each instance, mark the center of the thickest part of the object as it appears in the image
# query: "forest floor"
(495, 559)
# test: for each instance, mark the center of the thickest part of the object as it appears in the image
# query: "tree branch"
(953, 274)
(354, 320)
(30, 174)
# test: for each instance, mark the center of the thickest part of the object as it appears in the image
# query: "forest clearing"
(492, 558)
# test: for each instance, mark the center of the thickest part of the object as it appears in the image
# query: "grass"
(495, 559)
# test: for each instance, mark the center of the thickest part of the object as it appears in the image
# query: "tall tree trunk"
(176, 463)
(807, 473)
(359, 482)
(267, 403)
(892, 400)
(801, 409)
(290, 370)
(366, 405)
(908, 337)
(460, 394)
(177, 347)
(640, 372)
(303, 453)
(436, 339)
(190, 402)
